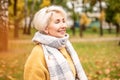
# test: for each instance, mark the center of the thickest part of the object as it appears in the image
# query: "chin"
(61, 36)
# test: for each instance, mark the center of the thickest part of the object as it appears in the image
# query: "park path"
(95, 39)
(74, 40)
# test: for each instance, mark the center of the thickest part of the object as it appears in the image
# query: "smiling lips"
(62, 31)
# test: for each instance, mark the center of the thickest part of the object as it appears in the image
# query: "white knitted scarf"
(57, 64)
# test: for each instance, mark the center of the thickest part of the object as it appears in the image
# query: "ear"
(46, 30)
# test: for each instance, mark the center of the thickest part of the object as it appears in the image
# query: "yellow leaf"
(10, 77)
(45, 3)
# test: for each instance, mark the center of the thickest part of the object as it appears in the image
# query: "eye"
(63, 20)
(57, 21)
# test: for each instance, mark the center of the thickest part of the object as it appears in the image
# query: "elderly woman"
(53, 57)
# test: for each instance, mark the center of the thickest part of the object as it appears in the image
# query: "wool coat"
(36, 68)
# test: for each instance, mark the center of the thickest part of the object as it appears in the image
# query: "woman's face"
(57, 25)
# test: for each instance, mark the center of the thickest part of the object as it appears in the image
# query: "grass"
(12, 62)
(99, 59)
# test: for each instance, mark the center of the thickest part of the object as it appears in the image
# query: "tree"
(108, 16)
(16, 15)
(31, 16)
(83, 18)
(3, 25)
(73, 14)
(45, 3)
(16, 27)
(101, 11)
(74, 19)
(25, 16)
(84, 21)
(113, 13)
(101, 20)
(30, 7)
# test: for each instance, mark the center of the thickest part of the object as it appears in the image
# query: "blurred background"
(93, 25)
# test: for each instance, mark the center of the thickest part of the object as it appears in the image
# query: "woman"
(53, 57)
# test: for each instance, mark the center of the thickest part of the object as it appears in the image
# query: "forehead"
(57, 15)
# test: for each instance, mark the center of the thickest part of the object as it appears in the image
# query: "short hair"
(42, 17)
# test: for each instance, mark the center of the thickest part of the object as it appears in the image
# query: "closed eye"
(57, 21)
(63, 20)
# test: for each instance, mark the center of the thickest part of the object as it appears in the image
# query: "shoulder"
(35, 64)
(37, 52)
(37, 48)
(36, 56)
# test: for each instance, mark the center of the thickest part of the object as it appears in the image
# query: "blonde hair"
(42, 17)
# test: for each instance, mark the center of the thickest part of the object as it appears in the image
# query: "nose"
(63, 25)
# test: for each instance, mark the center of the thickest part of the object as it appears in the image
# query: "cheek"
(53, 29)
(54, 26)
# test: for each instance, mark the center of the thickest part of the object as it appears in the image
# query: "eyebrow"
(59, 19)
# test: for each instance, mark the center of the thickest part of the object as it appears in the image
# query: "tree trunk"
(29, 26)
(52, 2)
(101, 29)
(82, 26)
(3, 38)
(119, 43)
(3, 25)
(109, 30)
(81, 30)
(15, 20)
(26, 14)
(117, 29)
(31, 17)
(16, 29)
(73, 27)
(25, 26)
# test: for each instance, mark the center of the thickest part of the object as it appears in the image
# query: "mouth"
(62, 32)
